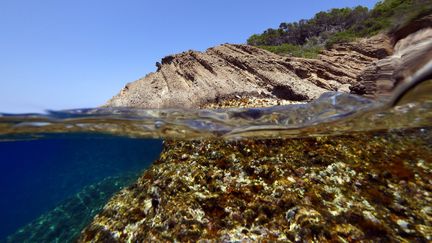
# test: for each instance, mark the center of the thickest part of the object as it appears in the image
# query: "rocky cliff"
(192, 78)
(371, 67)
(412, 49)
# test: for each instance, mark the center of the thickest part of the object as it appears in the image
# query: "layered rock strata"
(192, 78)
(372, 67)
(412, 50)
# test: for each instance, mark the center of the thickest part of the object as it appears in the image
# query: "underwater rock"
(357, 187)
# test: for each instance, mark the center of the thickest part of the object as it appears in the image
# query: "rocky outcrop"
(412, 50)
(372, 67)
(338, 68)
(192, 78)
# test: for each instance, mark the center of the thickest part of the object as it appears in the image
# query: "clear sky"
(57, 54)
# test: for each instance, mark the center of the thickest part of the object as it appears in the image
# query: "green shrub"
(305, 38)
(294, 50)
(341, 37)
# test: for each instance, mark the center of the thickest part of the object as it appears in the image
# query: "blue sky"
(75, 54)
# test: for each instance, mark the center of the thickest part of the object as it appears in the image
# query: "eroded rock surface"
(192, 78)
(412, 50)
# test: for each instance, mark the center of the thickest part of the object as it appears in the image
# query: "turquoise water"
(63, 179)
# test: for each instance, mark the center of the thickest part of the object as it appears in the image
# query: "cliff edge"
(191, 79)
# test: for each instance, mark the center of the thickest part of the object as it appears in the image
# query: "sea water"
(58, 182)
(58, 169)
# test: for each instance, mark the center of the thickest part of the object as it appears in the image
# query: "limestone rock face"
(337, 68)
(191, 79)
(411, 52)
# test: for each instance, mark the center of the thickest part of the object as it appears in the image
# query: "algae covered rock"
(358, 187)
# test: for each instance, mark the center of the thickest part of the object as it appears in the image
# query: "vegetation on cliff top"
(306, 38)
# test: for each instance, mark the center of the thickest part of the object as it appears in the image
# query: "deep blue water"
(38, 175)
